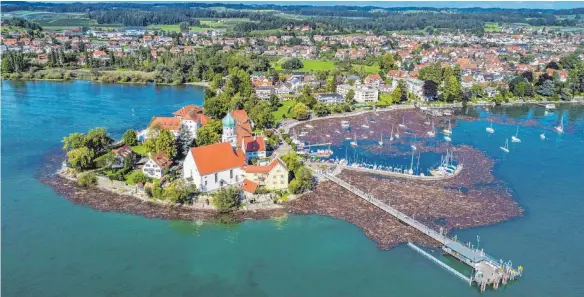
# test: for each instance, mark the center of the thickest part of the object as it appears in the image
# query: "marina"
(486, 270)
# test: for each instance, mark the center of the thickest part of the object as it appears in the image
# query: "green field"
(283, 109)
(367, 69)
(492, 27)
(130, 177)
(309, 65)
(140, 150)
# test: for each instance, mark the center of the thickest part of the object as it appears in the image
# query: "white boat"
(542, 136)
(365, 126)
(381, 140)
(403, 123)
(550, 106)
(447, 138)
(354, 142)
(413, 147)
(348, 138)
(490, 129)
(396, 133)
(560, 128)
(506, 147)
(391, 135)
(514, 138)
(449, 130)
(431, 133)
(345, 124)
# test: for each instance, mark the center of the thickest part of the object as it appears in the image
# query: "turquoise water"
(51, 247)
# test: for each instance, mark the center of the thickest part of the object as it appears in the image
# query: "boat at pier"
(448, 131)
(446, 166)
(403, 123)
(431, 133)
(345, 124)
(550, 106)
(354, 142)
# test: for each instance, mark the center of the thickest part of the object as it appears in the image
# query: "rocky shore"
(472, 198)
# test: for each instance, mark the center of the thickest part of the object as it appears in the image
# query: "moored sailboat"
(506, 147)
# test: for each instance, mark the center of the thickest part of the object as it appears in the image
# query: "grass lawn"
(130, 177)
(283, 110)
(492, 27)
(140, 150)
(309, 65)
(367, 69)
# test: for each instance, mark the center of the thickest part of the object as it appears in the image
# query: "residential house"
(366, 93)
(155, 166)
(264, 92)
(273, 176)
(373, 79)
(254, 147)
(120, 156)
(330, 98)
(211, 167)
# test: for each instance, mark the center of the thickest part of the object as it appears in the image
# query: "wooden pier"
(487, 270)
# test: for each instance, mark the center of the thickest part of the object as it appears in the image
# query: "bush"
(138, 177)
(226, 199)
(87, 180)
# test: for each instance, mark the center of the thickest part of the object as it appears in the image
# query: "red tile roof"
(166, 123)
(217, 157)
(186, 109)
(254, 144)
(263, 169)
(249, 186)
(123, 151)
(161, 160)
(197, 117)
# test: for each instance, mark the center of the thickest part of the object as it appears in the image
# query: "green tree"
(86, 180)
(210, 133)
(226, 199)
(546, 89)
(97, 139)
(527, 59)
(292, 63)
(179, 192)
(130, 137)
(73, 141)
(331, 84)
(452, 90)
(274, 102)
(292, 161)
(303, 181)
(321, 109)
(216, 107)
(165, 143)
(184, 140)
(396, 95)
(350, 96)
(81, 158)
(431, 72)
(184, 26)
(477, 91)
(387, 62)
(138, 177)
(261, 115)
(300, 111)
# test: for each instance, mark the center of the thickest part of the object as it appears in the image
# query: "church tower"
(229, 130)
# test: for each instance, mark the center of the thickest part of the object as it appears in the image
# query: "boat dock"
(487, 270)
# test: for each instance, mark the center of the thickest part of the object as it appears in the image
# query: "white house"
(214, 166)
(366, 93)
(155, 165)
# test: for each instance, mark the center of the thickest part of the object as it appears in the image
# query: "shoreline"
(203, 84)
(472, 198)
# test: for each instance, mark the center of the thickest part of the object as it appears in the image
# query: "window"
(231, 173)
(216, 177)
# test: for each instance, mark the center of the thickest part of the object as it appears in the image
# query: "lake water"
(51, 247)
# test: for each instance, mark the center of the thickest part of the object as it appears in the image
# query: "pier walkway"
(487, 269)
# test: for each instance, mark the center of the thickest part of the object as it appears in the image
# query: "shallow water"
(51, 247)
